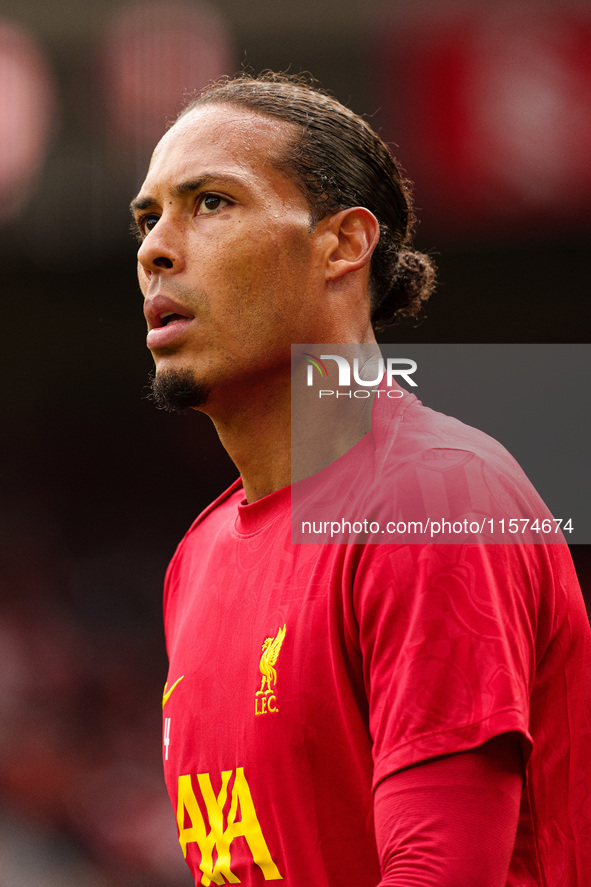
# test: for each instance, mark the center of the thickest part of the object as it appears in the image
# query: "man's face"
(230, 270)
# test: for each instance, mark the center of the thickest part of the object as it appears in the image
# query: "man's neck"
(256, 435)
(282, 430)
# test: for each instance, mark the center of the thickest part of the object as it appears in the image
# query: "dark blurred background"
(490, 106)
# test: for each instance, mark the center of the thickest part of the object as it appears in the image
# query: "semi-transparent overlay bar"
(484, 444)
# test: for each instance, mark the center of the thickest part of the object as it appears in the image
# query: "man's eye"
(146, 224)
(209, 203)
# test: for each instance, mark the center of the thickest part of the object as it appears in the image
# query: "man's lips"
(167, 320)
(163, 336)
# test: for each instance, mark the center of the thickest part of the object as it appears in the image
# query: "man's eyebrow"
(207, 180)
(140, 203)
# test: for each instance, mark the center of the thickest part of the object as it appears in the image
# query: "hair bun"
(412, 280)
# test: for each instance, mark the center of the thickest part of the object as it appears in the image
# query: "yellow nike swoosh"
(167, 693)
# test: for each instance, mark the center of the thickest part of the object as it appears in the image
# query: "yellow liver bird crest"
(271, 650)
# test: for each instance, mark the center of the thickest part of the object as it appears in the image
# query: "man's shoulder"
(420, 441)
(217, 513)
(419, 433)
(226, 500)
(206, 526)
(442, 472)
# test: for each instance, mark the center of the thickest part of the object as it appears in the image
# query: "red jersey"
(302, 675)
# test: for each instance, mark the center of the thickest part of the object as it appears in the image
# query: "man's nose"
(161, 250)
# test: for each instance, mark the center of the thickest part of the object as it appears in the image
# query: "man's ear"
(355, 232)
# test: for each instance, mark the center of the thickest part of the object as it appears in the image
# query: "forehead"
(218, 139)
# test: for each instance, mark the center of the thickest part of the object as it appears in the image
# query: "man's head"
(259, 217)
(338, 161)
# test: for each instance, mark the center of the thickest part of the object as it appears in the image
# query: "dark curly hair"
(339, 161)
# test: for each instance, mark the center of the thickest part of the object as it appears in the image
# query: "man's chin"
(178, 390)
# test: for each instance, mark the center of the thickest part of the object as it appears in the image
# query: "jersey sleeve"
(449, 637)
(451, 820)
